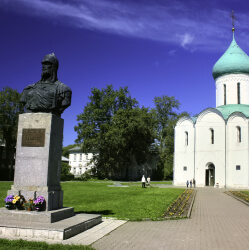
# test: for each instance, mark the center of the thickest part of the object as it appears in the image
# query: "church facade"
(213, 147)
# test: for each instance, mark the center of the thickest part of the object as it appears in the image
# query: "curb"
(191, 205)
(237, 198)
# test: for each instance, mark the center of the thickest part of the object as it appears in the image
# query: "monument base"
(34, 216)
(60, 230)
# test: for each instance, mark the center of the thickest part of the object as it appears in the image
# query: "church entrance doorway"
(210, 175)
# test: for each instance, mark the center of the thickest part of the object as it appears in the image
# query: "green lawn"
(134, 202)
(30, 245)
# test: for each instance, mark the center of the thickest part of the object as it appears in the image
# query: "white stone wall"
(207, 153)
(231, 81)
(237, 151)
(184, 152)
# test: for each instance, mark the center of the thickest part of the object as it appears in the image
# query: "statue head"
(50, 65)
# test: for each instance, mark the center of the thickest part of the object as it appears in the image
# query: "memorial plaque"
(34, 137)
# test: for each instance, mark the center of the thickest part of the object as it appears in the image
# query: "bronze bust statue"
(49, 95)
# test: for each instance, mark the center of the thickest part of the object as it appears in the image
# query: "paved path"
(218, 221)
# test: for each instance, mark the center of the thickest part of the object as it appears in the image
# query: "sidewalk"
(218, 221)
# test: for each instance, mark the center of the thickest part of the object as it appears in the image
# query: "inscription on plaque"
(34, 137)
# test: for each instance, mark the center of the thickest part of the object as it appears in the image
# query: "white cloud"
(186, 39)
(172, 22)
(172, 52)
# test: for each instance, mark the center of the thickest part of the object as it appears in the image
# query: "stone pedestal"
(38, 172)
(38, 158)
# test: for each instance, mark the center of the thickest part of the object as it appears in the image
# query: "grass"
(30, 245)
(133, 203)
(138, 183)
(4, 187)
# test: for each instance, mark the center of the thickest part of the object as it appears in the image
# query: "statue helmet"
(52, 59)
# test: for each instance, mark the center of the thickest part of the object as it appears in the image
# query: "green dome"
(233, 61)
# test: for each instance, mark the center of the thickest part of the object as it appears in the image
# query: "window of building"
(225, 94)
(86, 169)
(238, 134)
(238, 92)
(238, 167)
(186, 138)
(212, 135)
(80, 157)
(80, 171)
(74, 157)
(184, 168)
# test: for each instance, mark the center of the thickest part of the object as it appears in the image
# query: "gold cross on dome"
(233, 17)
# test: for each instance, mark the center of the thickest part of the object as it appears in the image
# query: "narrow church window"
(238, 167)
(186, 138)
(212, 136)
(184, 168)
(238, 92)
(238, 134)
(225, 94)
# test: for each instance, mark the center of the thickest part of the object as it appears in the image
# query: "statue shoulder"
(31, 86)
(63, 87)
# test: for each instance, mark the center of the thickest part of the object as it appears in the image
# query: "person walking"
(190, 183)
(143, 182)
(194, 182)
(148, 181)
(187, 183)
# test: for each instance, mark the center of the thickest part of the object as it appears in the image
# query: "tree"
(167, 116)
(113, 124)
(65, 150)
(65, 172)
(10, 108)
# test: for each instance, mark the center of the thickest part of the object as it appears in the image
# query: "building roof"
(227, 110)
(77, 149)
(64, 159)
(233, 61)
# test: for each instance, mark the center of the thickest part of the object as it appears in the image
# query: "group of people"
(144, 181)
(190, 183)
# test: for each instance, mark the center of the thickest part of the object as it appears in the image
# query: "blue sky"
(155, 47)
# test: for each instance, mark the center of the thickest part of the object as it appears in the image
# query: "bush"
(68, 177)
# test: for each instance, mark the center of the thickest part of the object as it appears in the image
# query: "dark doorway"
(210, 175)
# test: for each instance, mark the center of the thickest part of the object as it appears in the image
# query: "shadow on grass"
(103, 212)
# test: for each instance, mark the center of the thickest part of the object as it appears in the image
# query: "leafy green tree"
(65, 150)
(10, 108)
(113, 124)
(166, 114)
(65, 172)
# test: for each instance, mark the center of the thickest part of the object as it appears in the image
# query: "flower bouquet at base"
(29, 204)
(18, 202)
(39, 203)
(9, 202)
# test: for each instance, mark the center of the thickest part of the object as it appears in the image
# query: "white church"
(213, 147)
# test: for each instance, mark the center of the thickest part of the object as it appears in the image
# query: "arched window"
(238, 92)
(225, 94)
(212, 135)
(186, 138)
(238, 134)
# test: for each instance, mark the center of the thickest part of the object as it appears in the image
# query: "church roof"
(233, 61)
(227, 110)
